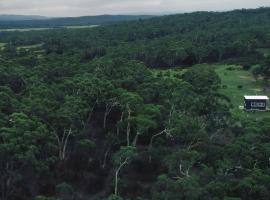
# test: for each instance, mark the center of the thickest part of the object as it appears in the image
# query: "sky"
(60, 8)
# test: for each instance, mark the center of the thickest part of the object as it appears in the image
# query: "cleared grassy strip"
(81, 27)
(24, 29)
(236, 83)
(27, 47)
(43, 29)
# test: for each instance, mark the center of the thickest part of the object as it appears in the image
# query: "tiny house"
(253, 103)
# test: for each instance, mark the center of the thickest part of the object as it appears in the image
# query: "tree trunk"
(109, 107)
(117, 175)
(134, 143)
(121, 120)
(165, 131)
(62, 143)
(105, 157)
(105, 119)
(128, 126)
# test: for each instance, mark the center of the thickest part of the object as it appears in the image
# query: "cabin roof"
(256, 97)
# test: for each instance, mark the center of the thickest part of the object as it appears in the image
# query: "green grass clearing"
(28, 47)
(44, 29)
(2, 45)
(24, 29)
(81, 27)
(237, 83)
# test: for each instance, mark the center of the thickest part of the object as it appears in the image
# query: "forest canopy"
(127, 111)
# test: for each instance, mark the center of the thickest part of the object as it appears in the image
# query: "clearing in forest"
(236, 83)
(2, 46)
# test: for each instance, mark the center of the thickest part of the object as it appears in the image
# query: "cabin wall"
(255, 104)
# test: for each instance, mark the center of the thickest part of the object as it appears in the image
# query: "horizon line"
(161, 13)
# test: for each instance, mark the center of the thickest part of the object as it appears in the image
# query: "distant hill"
(21, 17)
(68, 21)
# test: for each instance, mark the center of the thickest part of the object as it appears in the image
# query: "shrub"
(246, 67)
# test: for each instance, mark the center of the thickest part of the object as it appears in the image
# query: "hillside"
(169, 41)
(21, 17)
(147, 109)
(66, 21)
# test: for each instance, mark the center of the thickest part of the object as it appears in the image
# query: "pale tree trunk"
(128, 125)
(109, 107)
(105, 117)
(193, 144)
(62, 143)
(182, 172)
(105, 157)
(117, 175)
(121, 120)
(134, 143)
(165, 131)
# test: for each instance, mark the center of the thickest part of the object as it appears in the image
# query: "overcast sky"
(96, 7)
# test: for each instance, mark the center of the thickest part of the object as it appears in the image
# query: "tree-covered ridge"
(27, 21)
(183, 39)
(83, 114)
(20, 17)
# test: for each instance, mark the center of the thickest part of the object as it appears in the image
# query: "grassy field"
(236, 83)
(28, 47)
(23, 29)
(2, 46)
(80, 27)
(43, 29)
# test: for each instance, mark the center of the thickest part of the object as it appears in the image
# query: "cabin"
(256, 103)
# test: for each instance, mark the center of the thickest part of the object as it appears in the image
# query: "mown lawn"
(236, 83)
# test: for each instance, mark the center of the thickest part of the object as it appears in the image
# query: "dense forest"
(96, 114)
(28, 22)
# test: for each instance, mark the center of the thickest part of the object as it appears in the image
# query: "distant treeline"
(84, 116)
(162, 42)
(69, 21)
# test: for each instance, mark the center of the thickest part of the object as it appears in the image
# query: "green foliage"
(114, 197)
(184, 188)
(65, 191)
(45, 198)
(125, 153)
(90, 112)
